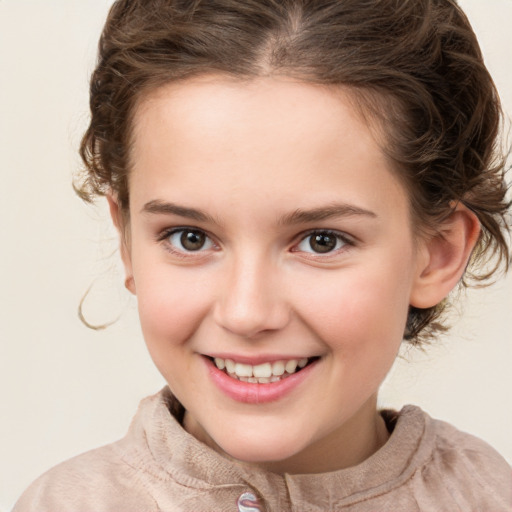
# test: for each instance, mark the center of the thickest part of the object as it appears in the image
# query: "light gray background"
(65, 389)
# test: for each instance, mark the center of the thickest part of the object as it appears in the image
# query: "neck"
(346, 447)
(356, 440)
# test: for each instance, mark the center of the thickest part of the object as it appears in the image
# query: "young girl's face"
(267, 229)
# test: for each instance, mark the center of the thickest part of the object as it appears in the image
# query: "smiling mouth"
(265, 373)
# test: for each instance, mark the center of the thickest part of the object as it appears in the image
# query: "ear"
(443, 258)
(124, 243)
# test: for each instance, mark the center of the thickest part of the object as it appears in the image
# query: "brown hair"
(414, 66)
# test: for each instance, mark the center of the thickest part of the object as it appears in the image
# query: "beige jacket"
(426, 465)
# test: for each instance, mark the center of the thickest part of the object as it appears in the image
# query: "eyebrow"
(165, 208)
(299, 216)
(328, 212)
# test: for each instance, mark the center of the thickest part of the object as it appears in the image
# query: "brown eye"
(189, 240)
(192, 240)
(323, 242)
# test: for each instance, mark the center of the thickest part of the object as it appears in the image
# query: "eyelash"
(164, 236)
(345, 240)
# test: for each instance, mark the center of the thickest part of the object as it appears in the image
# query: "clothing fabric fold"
(427, 465)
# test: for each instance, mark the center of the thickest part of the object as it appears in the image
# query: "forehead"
(263, 137)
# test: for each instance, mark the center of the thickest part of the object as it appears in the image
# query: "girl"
(298, 186)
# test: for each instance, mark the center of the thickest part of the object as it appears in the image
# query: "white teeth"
(262, 370)
(230, 366)
(261, 373)
(243, 370)
(278, 368)
(291, 366)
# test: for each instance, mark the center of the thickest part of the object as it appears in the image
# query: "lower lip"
(253, 393)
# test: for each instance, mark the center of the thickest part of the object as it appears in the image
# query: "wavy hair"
(414, 67)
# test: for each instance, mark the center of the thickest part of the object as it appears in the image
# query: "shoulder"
(97, 480)
(454, 446)
(464, 469)
(117, 476)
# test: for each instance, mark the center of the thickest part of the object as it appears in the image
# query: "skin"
(249, 155)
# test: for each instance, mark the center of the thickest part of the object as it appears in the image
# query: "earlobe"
(129, 284)
(444, 258)
(124, 244)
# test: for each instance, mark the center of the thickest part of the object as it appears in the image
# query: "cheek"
(361, 309)
(362, 324)
(171, 305)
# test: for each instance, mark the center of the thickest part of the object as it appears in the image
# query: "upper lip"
(257, 359)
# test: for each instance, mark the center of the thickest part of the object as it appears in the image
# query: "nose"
(251, 299)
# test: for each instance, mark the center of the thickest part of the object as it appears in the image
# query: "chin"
(259, 449)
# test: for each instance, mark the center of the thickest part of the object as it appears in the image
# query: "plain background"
(64, 388)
